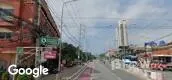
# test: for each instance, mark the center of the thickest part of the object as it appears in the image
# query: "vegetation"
(70, 53)
(70, 56)
(5, 76)
(23, 77)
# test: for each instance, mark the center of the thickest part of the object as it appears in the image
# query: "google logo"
(12, 69)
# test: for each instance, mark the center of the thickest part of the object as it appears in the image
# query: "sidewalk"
(67, 72)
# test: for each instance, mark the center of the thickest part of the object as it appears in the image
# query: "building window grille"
(5, 35)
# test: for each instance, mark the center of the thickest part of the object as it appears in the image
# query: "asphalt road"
(64, 74)
(103, 72)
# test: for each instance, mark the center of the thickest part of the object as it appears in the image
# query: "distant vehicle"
(129, 59)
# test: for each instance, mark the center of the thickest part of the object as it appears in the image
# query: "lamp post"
(61, 29)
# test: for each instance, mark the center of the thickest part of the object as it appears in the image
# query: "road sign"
(20, 50)
(49, 41)
(50, 55)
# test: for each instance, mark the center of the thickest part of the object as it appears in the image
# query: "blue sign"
(152, 43)
(162, 43)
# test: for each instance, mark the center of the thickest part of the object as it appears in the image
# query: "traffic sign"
(20, 50)
(49, 40)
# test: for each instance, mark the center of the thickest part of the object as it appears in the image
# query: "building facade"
(18, 29)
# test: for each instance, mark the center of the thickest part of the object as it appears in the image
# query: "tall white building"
(122, 34)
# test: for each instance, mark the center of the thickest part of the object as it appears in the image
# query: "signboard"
(49, 41)
(152, 43)
(162, 43)
(20, 50)
(49, 55)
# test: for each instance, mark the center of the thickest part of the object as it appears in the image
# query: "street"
(64, 74)
(100, 71)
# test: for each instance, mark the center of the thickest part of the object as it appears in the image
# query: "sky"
(147, 20)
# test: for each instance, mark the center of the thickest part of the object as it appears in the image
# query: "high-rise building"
(122, 35)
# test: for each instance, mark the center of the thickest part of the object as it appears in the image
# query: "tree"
(69, 52)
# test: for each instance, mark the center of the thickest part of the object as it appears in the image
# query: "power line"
(69, 37)
(163, 37)
(71, 34)
(87, 17)
(74, 20)
(72, 38)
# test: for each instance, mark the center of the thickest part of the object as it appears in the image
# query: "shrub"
(23, 77)
(5, 76)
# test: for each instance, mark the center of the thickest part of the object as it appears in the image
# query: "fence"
(145, 73)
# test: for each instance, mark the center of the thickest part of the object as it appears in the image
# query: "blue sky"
(147, 20)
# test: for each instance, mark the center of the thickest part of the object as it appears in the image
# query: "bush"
(16, 76)
(5, 76)
(23, 77)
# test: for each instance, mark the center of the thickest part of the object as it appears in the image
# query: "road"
(100, 71)
(64, 74)
(96, 70)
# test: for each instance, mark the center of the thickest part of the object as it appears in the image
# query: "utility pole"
(85, 41)
(61, 29)
(80, 36)
(21, 22)
(37, 21)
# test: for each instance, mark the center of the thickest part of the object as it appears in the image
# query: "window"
(5, 11)
(7, 14)
(2, 35)
(5, 35)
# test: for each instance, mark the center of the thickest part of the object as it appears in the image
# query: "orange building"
(17, 33)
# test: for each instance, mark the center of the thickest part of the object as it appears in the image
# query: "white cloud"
(108, 9)
(136, 10)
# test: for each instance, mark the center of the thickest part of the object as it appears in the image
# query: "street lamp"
(61, 29)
